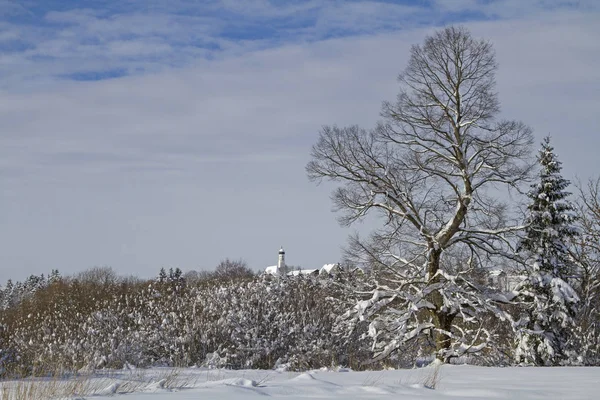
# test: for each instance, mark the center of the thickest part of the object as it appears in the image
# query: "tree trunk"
(441, 318)
(443, 321)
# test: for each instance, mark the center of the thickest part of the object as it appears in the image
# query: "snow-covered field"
(461, 382)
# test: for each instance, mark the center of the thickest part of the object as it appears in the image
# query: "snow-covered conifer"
(549, 302)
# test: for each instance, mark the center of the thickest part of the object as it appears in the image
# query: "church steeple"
(281, 268)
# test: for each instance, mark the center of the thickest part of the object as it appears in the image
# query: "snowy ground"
(460, 382)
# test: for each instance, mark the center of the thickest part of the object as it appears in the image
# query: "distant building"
(281, 269)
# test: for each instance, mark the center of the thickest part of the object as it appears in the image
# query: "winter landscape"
(450, 381)
(155, 155)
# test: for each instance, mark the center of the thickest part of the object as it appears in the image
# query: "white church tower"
(281, 268)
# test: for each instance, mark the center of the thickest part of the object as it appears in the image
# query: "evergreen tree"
(162, 276)
(54, 276)
(549, 301)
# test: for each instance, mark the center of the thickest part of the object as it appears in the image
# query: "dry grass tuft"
(432, 379)
(114, 382)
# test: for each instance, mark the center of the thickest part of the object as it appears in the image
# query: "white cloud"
(9, 8)
(266, 9)
(514, 9)
(155, 37)
(187, 165)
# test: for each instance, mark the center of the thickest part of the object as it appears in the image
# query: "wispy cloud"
(85, 40)
(155, 133)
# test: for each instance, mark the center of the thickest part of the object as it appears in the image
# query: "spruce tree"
(162, 276)
(549, 302)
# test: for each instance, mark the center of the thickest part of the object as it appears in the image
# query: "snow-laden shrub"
(243, 322)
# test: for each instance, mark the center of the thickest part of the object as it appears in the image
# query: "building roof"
(328, 267)
(271, 270)
(325, 269)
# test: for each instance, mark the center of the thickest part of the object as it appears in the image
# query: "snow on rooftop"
(275, 269)
(325, 269)
(302, 272)
(271, 270)
(328, 268)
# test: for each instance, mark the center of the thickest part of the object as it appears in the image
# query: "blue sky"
(143, 134)
(95, 40)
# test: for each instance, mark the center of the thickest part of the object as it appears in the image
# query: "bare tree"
(98, 275)
(233, 269)
(430, 169)
(586, 252)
